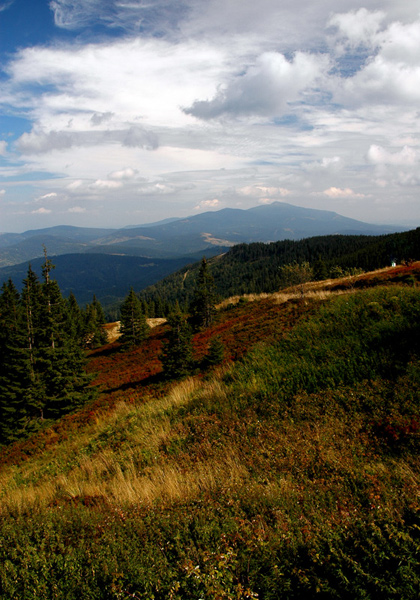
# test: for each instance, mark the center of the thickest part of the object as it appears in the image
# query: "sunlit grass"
(293, 472)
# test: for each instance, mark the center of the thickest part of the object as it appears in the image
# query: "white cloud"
(41, 211)
(239, 102)
(2, 192)
(5, 5)
(127, 173)
(101, 184)
(358, 27)
(215, 203)
(49, 195)
(260, 191)
(132, 79)
(405, 157)
(35, 142)
(77, 209)
(266, 87)
(75, 185)
(334, 192)
(391, 74)
(146, 17)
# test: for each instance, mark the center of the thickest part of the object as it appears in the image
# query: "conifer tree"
(94, 320)
(216, 352)
(133, 326)
(42, 364)
(177, 357)
(202, 307)
(76, 320)
(14, 370)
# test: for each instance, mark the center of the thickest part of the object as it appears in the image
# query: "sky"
(124, 112)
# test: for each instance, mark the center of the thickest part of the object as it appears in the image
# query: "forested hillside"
(258, 268)
(291, 470)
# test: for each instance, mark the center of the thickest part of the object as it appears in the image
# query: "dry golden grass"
(133, 472)
(320, 290)
(113, 329)
(310, 292)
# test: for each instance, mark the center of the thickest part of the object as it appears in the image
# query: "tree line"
(177, 355)
(43, 338)
(259, 267)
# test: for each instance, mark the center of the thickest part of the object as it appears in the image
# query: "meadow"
(290, 471)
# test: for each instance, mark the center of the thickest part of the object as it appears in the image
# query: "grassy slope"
(292, 472)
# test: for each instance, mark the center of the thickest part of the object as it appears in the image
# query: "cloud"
(2, 192)
(334, 192)
(101, 184)
(75, 185)
(127, 173)
(45, 196)
(261, 191)
(41, 211)
(332, 163)
(215, 203)
(390, 75)
(40, 142)
(6, 5)
(358, 27)
(239, 101)
(405, 157)
(266, 88)
(99, 118)
(76, 209)
(137, 137)
(151, 18)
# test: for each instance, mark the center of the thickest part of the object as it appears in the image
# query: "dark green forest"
(43, 339)
(258, 268)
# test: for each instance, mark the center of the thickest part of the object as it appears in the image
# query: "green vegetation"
(259, 268)
(42, 359)
(133, 326)
(291, 473)
(202, 307)
(177, 356)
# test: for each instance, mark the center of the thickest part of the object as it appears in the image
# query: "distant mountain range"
(198, 234)
(108, 261)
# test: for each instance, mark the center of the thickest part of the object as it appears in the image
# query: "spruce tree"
(42, 364)
(94, 320)
(76, 320)
(216, 352)
(202, 307)
(133, 325)
(177, 357)
(14, 368)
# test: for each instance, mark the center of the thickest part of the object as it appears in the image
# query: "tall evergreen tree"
(215, 353)
(177, 356)
(202, 307)
(76, 320)
(42, 363)
(14, 369)
(94, 320)
(133, 326)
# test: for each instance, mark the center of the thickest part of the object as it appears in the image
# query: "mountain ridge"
(171, 238)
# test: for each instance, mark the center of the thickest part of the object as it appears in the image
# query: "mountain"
(109, 277)
(198, 234)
